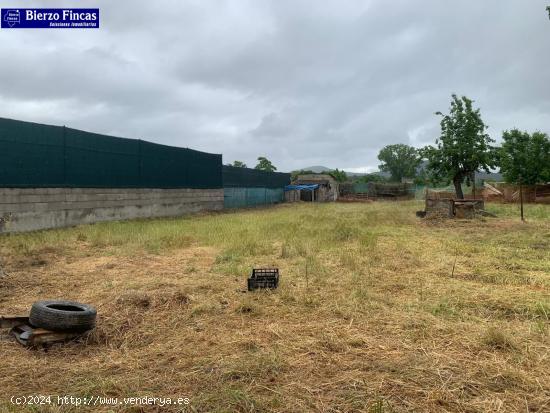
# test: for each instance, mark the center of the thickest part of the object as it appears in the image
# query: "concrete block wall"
(439, 208)
(451, 208)
(28, 209)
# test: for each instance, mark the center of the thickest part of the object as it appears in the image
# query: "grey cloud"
(301, 82)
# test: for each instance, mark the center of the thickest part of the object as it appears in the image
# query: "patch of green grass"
(445, 308)
(531, 211)
(380, 406)
(541, 310)
(256, 365)
(343, 231)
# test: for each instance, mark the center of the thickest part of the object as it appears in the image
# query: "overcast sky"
(301, 82)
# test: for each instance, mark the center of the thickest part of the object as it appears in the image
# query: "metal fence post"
(65, 155)
(140, 161)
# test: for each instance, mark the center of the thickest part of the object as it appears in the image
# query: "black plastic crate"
(263, 278)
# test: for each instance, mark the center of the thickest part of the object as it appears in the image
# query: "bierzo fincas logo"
(11, 17)
(50, 18)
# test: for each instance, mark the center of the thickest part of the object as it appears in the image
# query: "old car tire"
(62, 315)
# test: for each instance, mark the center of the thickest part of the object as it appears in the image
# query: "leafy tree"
(525, 159)
(400, 161)
(424, 176)
(265, 164)
(340, 176)
(239, 164)
(371, 178)
(463, 147)
(548, 9)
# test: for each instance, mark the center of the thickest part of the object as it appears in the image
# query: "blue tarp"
(301, 187)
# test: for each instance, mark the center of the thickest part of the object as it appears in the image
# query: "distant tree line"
(338, 175)
(264, 164)
(464, 148)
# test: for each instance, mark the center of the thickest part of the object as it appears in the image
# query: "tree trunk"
(457, 181)
(474, 185)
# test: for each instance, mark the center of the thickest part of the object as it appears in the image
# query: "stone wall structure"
(28, 209)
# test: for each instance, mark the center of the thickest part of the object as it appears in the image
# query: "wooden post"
(521, 200)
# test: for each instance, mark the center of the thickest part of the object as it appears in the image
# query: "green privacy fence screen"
(245, 187)
(234, 177)
(35, 155)
(247, 197)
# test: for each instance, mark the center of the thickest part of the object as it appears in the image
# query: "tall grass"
(535, 212)
(377, 310)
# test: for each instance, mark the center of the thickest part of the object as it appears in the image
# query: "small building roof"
(311, 179)
(301, 187)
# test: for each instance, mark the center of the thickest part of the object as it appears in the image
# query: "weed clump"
(499, 340)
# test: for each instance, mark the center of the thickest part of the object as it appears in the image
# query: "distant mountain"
(480, 175)
(317, 169)
(491, 176)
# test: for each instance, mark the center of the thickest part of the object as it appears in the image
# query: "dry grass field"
(370, 315)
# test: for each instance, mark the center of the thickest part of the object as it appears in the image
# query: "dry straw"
(393, 315)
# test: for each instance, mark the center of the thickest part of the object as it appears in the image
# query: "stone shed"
(327, 190)
(452, 208)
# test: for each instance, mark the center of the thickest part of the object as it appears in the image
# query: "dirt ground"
(377, 311)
